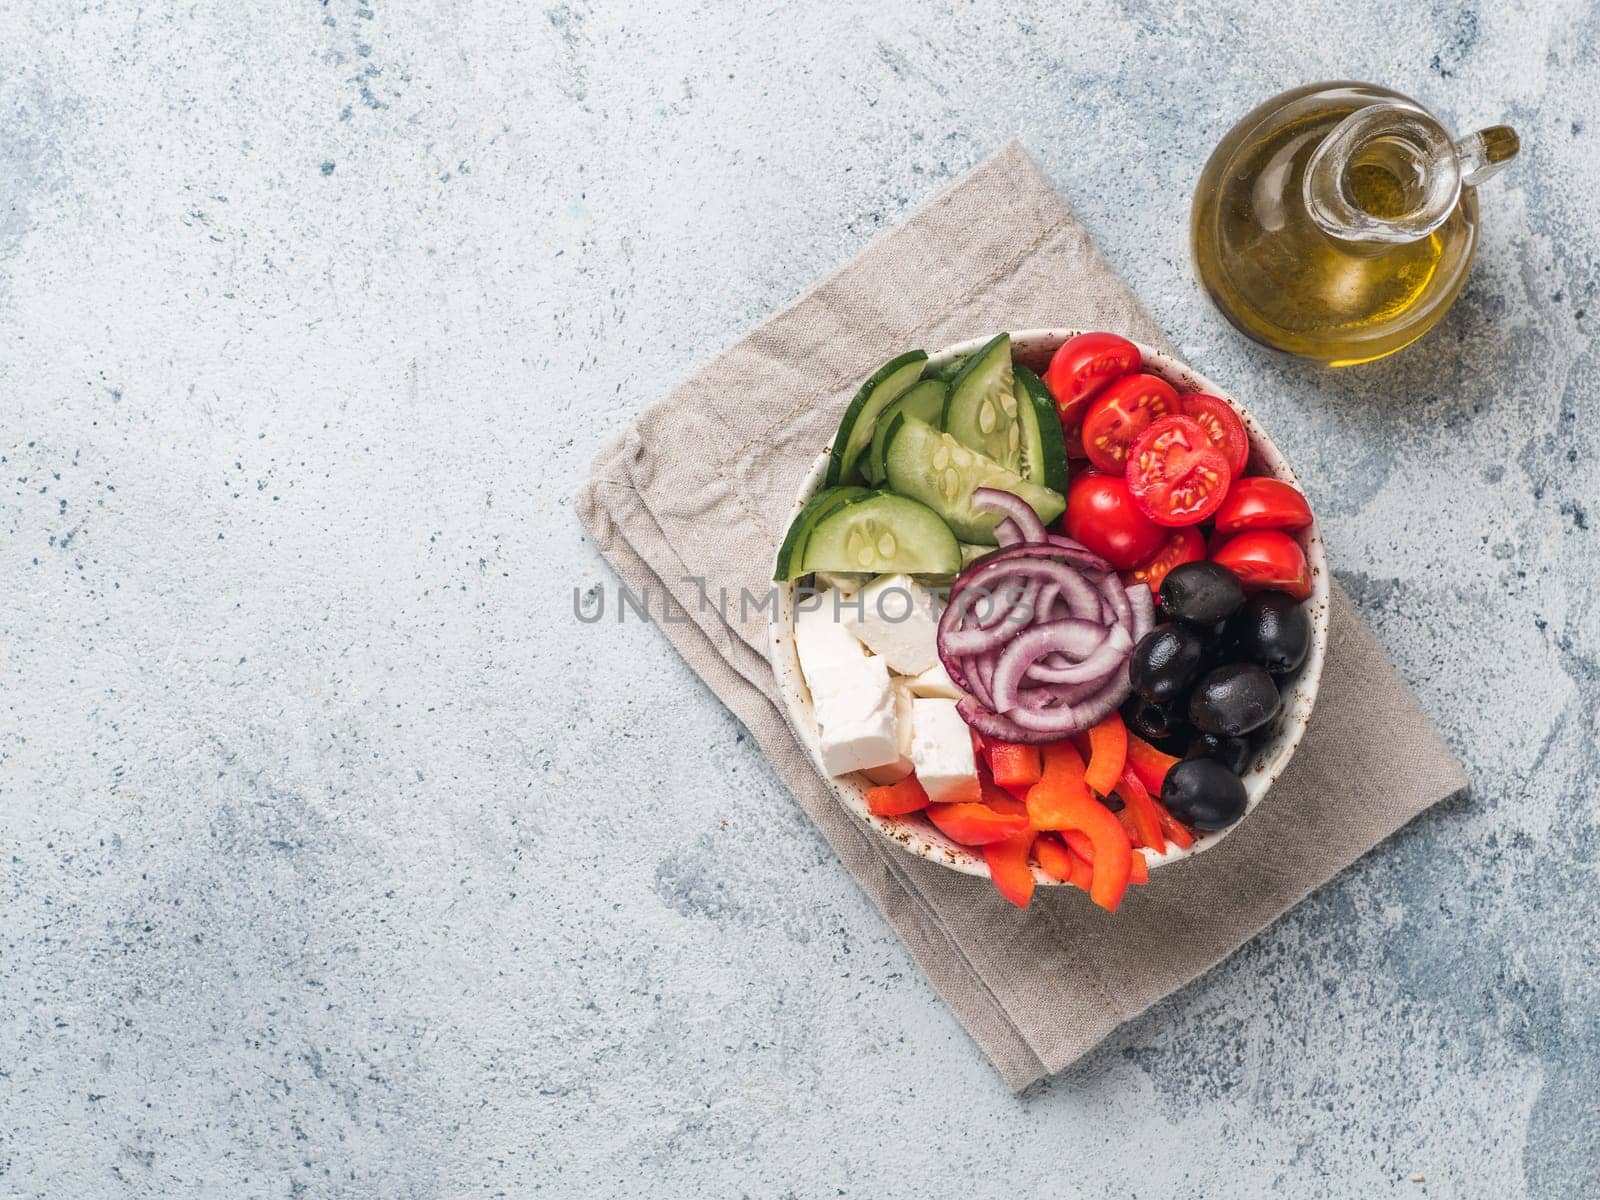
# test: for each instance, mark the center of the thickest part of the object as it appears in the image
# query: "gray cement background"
(337, 860)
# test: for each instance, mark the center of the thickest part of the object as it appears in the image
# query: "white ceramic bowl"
(916, 834)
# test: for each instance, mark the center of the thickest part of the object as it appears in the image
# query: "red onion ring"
(1021, 655)
(1143, 603)
(1112, 650)
(1066, 628)
(1024, 521)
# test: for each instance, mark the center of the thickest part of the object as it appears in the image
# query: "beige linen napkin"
(693, 499)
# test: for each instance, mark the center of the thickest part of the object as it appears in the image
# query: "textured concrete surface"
(337, 860)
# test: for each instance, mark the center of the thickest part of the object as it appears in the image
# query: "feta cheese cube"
(941, 751)
(896, 771)
(852, 699)
(935, 681)
(821, 640)
(856, 720)
(898, 619)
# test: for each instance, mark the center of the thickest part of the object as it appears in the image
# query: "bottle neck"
(1388, 173)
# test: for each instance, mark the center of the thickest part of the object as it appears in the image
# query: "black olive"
(1231, 752)
(1114, 802)
(1272, 630)
(1201, 593)
(1203, 793)
(1165, 662)
(1153, 722)
(1233, 700)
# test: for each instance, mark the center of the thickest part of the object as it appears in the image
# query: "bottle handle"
(1486, 152)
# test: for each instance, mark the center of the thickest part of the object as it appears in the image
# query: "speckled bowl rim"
(915, 834)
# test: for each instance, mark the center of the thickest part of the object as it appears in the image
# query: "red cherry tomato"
(1176, 475)
(1081, 366)
(1222, 426)
(1102, 515)
(1183, 546)
(1267, 558)
(1072, 435)
(1120, 414)
(1262, 503)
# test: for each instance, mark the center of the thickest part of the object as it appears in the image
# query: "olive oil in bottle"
(1338, 221)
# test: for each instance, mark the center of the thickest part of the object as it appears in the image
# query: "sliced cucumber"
(969, 555)
(1044, 449)
(794, 542)
(981, 411)
(883, 534)
(945, 371)
(925, 402)
(886, 385)
(934, 468)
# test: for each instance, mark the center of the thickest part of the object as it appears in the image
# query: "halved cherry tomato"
(1222, 426)
(897, 799)
(1072, 435)
(1183, 546)
(1176, 475)
(1121, 413)
(1267, 558)
(1102, 515)
(1081, 366)
(974, 824)
(1262, 503)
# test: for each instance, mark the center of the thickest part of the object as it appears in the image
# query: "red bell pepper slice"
(897, 799)
(999, 799)
(1141, 809)
(1054, 857)
(1014, 765)
(973, 824)
(1061, 863)
(1175, 829)
(1061, 797)
(1108, 754)
(1053, 800)
(1008, 867)
(1082, 873)
(1080, 845)
(1148, 763)
(1078, 842)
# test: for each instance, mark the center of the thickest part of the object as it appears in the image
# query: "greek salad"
(1051, 616)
